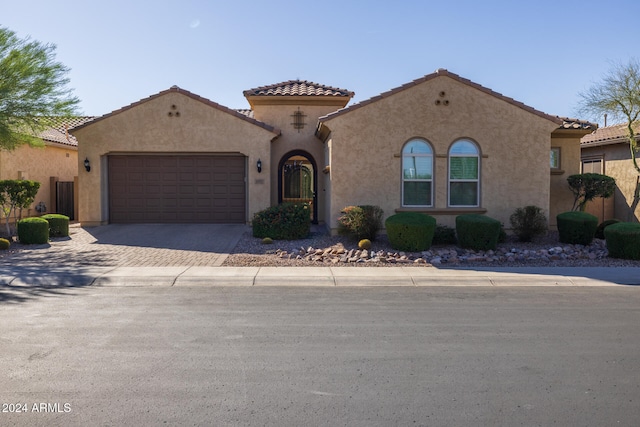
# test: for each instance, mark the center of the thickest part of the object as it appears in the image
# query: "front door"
(297, 181)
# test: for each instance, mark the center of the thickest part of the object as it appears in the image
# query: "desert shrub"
(444, 235)
(267, 241)
(360, 222)
(603, 225)
(576, 227)
(4, 244)
(410, 231)
(477, 232)
(288, 221)
(587, 186)
(528, 222)
(58, 225)
(33, 230)
(623, 240)
(364, 244)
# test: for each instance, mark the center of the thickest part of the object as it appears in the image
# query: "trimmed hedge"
(410, 231)
(33, 231)
(577, 228)
(477, 232)
(58, 225)
(288, 221)
(623, 240)
(603, 225)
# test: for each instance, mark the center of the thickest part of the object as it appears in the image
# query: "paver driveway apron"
(138, 245)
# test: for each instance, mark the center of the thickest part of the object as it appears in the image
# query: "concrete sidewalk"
(17, 276)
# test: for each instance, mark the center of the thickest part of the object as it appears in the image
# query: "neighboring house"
(54, 166)
(607, 151)
(441, 144)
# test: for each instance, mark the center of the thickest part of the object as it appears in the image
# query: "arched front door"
(297, 180)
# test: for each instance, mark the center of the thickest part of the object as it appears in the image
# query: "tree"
(16, 195)
(618, 95)
(587, 186)
(32, 87)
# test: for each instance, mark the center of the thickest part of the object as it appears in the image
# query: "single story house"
(441, 144)
(606, 151)
(54, 166)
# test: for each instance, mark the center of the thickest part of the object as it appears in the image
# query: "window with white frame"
(417, 173)
(464, 174)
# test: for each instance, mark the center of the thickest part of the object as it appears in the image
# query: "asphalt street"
(293, 356)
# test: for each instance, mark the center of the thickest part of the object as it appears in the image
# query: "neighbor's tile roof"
(298, 88)
(564, 123)
(610, 135)
(57, 130)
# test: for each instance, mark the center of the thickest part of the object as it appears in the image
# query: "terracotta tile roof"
(298, 88)
(57, 130)
(246, 112)
(563, 123)
(610, 135)
(190, 95)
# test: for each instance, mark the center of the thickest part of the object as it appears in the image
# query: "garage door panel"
(190, 188)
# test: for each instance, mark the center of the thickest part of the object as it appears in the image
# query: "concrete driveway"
(136, 245)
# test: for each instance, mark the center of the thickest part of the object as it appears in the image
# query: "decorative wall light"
(259, 165)
(87, 165)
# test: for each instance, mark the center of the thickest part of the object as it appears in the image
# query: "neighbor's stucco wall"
(40, 164)
(617, 164)
(561, 198)
(148, 128)
(278, 112)
(366, 144)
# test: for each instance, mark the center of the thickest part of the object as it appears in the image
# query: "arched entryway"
(298, 180)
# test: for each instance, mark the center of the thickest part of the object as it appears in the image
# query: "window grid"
(464, 179)
(417, 181)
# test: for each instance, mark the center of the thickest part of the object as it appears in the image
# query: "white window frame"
(414, 155)
(476, 180)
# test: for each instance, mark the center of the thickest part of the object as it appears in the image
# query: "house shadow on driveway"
(218, 238)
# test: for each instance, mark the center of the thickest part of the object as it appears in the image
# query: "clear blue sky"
(542, 53)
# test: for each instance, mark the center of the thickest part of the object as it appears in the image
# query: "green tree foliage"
(16, 195)
(618, 95)
(587, 186)
(32, 86)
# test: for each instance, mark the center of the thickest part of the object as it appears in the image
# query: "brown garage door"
(176, 189)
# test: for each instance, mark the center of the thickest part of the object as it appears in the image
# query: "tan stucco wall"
(561, 195)
(618, 165)
(40, 164)
(278, 112)
(148, 128)
(366, 143)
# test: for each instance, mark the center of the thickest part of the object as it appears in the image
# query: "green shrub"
(4, 244)
(576, 227)
(58, 225)
(288, 221)
(33, 230)
(623, 240)
(360, 222)
(477, 232)
(267, 241)
(364, 244)
(444, 235)
(528, 222)
(410, 231)
(603, 225)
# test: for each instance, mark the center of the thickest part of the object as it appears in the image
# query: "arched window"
(417, 174)
(464, 174)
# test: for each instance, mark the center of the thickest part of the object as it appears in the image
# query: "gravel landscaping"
(321, 249)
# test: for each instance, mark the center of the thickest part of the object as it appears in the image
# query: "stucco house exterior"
(441, 144)
(606, 151)
(54, 166)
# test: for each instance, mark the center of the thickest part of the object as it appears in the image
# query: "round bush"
(33, 231)
(364, 244)
(410, 231)
(623, 240)
(58, 225)
(577, 228)
(267, 241)
(477, 232)
(4, 244)
(603, 225)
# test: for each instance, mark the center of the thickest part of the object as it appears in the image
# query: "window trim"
(477, 155)
(404, 155)
(558, 156)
